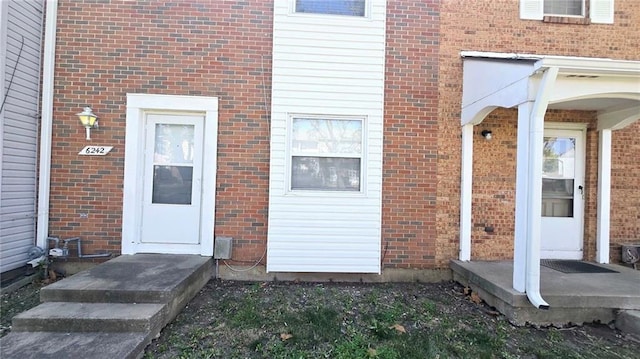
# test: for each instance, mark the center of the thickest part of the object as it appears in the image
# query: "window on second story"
(568, 11)
(564, 7)
(331, 7)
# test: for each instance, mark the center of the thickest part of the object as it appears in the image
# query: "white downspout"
(46, 123)
(536, 138)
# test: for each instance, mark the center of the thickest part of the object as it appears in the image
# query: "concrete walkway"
(113, 310)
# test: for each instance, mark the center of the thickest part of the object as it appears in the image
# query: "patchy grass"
(16, 302)
(385, 321)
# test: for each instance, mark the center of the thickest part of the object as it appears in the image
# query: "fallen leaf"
(493, 312)
(475, 298)
(372, 353)
(466, 290)
(398, 328)
(286, 336)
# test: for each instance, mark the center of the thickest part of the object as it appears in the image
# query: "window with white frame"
(326, 153)
(583, 11)
(331, 7)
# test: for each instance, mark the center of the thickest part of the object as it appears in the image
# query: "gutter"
(536, 136)
(46, 124)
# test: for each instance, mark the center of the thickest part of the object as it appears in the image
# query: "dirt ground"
(410, 320)
(228, 319)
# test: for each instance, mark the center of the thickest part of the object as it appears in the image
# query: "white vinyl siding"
(20, 27)
(600, 11)
(331, 67)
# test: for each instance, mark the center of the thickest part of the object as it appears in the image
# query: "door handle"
(581, 189)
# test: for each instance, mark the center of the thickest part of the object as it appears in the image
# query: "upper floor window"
(564, 7)
(576, 11)
(332, 7)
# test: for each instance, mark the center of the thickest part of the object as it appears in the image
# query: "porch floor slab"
(573, 297)
(110, 311)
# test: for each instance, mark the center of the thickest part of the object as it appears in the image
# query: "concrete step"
(140, 278)
(628, 321)
(90, 317)
(45, 345)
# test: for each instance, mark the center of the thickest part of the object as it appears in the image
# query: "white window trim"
(319, 193)
(367, 12)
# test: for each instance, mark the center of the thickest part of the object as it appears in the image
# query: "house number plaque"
(95, 150)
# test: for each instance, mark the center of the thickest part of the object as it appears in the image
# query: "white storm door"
(562, 194)
(172, 189)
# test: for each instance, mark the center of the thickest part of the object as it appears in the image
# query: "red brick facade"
(494, 25)
(411, 135)
(223, 48)
(108, 49)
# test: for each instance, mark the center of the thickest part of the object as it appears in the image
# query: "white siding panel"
(334, 66)
(21, 22)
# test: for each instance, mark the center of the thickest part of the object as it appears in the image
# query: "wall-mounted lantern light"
(488, 135)
(88, 119)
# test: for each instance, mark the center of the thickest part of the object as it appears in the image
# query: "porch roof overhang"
(609, 87)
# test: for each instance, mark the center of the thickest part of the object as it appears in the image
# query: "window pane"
(172, 184)
(315, 136)
(564, 7)
(332, 7)
(558, 173)
(325, 174)
(174, 144)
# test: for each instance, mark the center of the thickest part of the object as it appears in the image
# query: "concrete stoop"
(573, 298)
(113, 310)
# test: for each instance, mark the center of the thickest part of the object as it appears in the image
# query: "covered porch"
(532, 84)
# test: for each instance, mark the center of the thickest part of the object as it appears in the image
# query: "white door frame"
(137, 106)
(580, 167)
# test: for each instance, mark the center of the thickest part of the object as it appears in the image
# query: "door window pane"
(172, 184)
(174, 144)
(325, 173)
(558, 173)
(173, 164)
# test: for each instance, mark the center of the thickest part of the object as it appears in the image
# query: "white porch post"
(466, 181)
(534, 196)
(522, 188)
(604, 196)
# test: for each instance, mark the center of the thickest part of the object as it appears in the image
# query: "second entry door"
(562, 194)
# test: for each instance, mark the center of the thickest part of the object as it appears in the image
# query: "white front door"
(171, 204)
(562, 194)
(169, 174)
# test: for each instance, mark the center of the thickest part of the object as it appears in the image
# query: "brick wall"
(410, 135)
(494, 25)
(625, 188)
(223, 48)
(107, 49)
